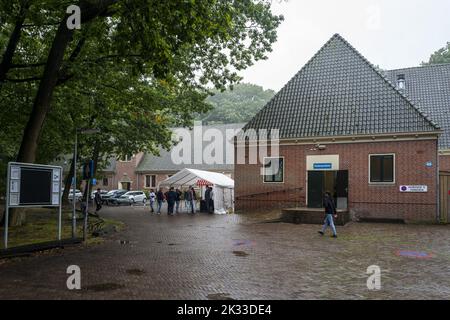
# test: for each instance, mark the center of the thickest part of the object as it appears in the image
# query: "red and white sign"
(203, 183)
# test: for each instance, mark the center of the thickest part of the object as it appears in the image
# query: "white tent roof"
(189, 177)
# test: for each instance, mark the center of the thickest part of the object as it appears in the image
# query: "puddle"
(102, 287)
(240, 253)
(238, 243)
(219, 296)
(136, 272)
(414, 254)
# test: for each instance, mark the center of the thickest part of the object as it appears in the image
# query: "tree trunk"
(41, 106)
(13, 42)
(28, 147)
(27, 152)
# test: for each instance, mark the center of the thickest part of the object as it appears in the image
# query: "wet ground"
(237, 257)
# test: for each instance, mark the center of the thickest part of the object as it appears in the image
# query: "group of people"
(174, 198)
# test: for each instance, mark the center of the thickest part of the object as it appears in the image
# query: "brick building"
(153, 169)
(376, 140)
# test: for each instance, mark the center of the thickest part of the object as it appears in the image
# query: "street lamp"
(87, 131)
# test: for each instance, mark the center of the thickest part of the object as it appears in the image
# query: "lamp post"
(74, 214)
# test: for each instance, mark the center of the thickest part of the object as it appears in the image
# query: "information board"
(31, 185)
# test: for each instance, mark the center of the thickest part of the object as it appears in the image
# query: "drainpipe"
(438, 190)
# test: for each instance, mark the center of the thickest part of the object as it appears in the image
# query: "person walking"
(160, 198)
(98, 200)
(330, 211)
(171, 199)
(152, 197)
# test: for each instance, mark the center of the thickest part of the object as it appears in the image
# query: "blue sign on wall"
(318, 166)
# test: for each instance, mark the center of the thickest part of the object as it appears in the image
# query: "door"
(342, 189)
(315, 189)
(335, 182)
(126, 186)
(444, 192)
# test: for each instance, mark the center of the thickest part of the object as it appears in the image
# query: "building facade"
(346, 128)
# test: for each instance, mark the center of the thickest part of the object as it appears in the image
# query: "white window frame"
(284, 170)
(145, 181)
(393, 167)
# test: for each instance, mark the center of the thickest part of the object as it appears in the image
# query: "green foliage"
(238, 105)
(440, 56)
(135, 69)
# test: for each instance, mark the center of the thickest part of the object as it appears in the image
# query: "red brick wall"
(128, 169)
(364, 200)
(160, 177)
(112, 185)
(444, 163)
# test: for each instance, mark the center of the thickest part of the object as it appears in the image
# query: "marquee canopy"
(191, 177)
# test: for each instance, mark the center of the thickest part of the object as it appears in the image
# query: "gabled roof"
(428, 87)
(163, 163)
(339, 93)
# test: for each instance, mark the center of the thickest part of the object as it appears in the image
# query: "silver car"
(132, 197)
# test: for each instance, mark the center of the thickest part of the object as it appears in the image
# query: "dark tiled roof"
(428, 88)
(339, 93)
(164, 163)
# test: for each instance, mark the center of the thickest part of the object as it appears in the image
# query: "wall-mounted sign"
(322, 166)
(322, 163)
(413, 188)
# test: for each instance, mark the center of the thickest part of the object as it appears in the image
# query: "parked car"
(78, 195)
(111, 194)
(132, 197)
(102, 194)
(116, 194)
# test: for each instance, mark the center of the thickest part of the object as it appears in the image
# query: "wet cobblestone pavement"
(234, 257)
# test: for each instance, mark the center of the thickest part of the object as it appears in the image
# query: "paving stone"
(273, 261)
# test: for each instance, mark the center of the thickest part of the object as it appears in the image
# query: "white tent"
(223, 186)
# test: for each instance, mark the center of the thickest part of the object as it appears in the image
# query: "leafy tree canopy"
(135, 69)
(238, 105)
(440, 56)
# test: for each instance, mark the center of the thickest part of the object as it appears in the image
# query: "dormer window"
(401, 83)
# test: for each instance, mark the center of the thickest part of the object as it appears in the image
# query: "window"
(382, 168)
(274, 170)
(105, 181)
(150, 181)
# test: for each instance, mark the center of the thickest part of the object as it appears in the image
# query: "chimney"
(401, 83)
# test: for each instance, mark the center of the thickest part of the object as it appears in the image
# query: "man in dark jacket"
(330, 211)
(208, 199)
(98, 200)
(171, 198)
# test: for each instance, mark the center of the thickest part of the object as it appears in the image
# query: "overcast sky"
(390, 33)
